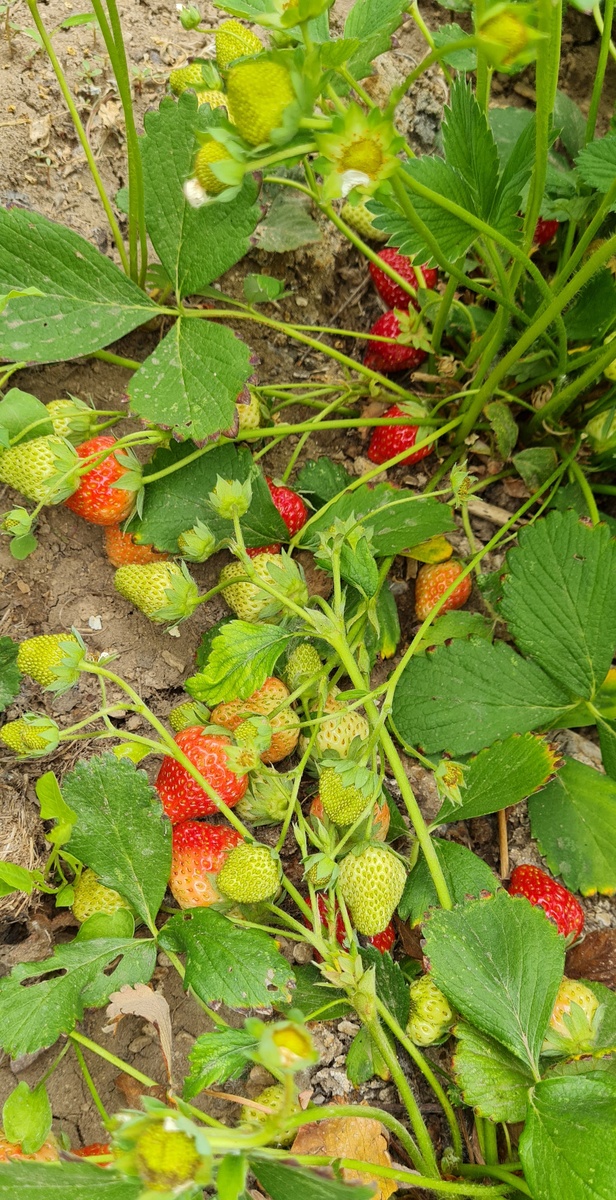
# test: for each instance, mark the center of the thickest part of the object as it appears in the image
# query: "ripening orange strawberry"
(432, 580)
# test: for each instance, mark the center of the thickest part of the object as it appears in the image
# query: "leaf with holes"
(120, 831)
(86, 302)
(195, 245)
(33, 1019)
(573, 820)
(191, 381)
(239, 967)
(500, 963)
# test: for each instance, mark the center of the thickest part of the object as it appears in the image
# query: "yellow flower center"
(364, 154)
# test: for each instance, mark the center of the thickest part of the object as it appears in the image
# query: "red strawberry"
(94, 1150)
(381, 941)
(393, 295)
(122, 549)
(252, 551)
(180, 793)
(544, 231)
(560, 906)
(290, 506)
(389, 440)
(200, 850)
(384, 356)
(434, 579)
(95, 499)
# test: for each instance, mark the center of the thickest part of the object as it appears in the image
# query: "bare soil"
(68, 581)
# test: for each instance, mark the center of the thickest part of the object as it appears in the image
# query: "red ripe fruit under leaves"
(559, 904)
(381, 941)
(290, 506)
(180, 794)
(391, 292)
(389, 440)
(384, 356)
(544, 231)
(95, 499)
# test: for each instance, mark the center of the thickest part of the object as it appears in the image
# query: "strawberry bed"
(335, 847)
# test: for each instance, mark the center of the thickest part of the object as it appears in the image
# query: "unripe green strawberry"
(250, 602)
(34, 469)
(251, 874)
(187, 77)
(30, 736)
(337, 731)
(162, 591)
(213, 97)
(91, 896)
(372, 883)
(211, 152)
(259, 92)
(272, 1097)
(360, 219)
(190, 712)
(431, 1016)
(234, 40)
(249, 415)
(167, 1158)
(573, 1021)
(302, 664)
(343, 805)
(39, 656)
(71, 418)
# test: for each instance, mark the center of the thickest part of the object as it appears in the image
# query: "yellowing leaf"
(350, 1137)
(436, 549)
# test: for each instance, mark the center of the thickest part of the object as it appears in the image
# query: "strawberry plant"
(496, 280)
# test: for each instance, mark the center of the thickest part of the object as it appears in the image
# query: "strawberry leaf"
(120, 832)
(391, 986)
(191, 382)
(464, 696)
(492, 1080)
(195, 245)
(240, 660)
(281, 1181)
(560, 600)
(216, 1057)
(10, 675)
(311, 994)
(20, 411)
(398, 519)
(374, 22)
(465, 873)
(500, 776)
(79, 978)
(597, 163)
(573, 820)
(80, 1181)
(86, 302)
(239, 967)
(567, 1147)
(500, 963)
(321, 480)
(178, 500)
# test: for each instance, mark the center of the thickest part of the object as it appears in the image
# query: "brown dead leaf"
(594, 958)
(350, 1137)
(410, 938)
(132, 1091)
(40, 131)
(142, 1001)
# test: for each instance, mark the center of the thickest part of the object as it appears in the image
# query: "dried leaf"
(594, 958)
(40, 130)
(132, 1091)
(142, 1001)
(350, 1137)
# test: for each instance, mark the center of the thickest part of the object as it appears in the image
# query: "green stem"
(586, 240)
(470, 1171)
(410, 1178)
(579, 475)
(423, 1158)
(548, 61)
(596, 12)
(125, 1067)
(482, 78)
(597, 87)
(81, 133)
(413, 11)
(442, 315)
(420, 1061)
(539, 325)
(490, 1143)
(91, 1086)
(116, 360)
(559, 402)
(465, 43)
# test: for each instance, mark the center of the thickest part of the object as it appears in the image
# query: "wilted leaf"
(142, 1001)
(594, 958)
(350, 1137)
